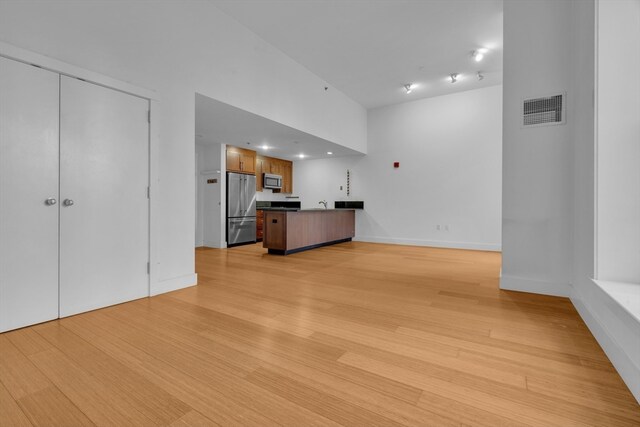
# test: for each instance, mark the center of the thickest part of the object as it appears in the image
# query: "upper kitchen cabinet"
(287, 178)
(260, 162)
(272, 165)
(275, 166)
(241, 160)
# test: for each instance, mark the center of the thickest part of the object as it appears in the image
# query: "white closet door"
(104, 210)
(28, 177)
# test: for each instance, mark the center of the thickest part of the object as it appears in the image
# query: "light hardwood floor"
(354, 334)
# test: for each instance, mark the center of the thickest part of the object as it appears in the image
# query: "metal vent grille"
(539, 111)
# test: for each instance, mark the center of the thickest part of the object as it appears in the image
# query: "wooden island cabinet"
(259, 225)
(290, 231)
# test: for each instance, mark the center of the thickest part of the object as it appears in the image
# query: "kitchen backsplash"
(268, 195)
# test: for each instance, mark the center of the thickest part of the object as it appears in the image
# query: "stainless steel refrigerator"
(241, 209)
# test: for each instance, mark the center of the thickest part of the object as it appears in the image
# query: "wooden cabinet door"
(276, 166)
(259, 172)
(259, 224)
(248, 161)
(241, 160)
(287, 178)
(233, 161)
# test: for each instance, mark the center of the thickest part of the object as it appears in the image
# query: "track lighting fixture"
(409, 87)
(480, 75)
(478, 54)
(454, 77)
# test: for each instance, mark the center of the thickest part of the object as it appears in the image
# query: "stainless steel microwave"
(272, 181)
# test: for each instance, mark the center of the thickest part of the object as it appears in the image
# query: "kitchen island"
(288, 231)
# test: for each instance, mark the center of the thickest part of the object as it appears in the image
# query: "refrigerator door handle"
(241, 195)
(244, 194)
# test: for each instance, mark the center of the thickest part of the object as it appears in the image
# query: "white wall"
(210, 230)
(178, 48)
(618, 141)
(268, 195)
(549, 173)
(617, 191)
(537, 162)
(449, 149)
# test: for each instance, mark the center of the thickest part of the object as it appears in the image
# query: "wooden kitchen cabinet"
(274, 166)
(287, 178)
(259, 171)
(241, 160)
(259, 225)
(286, 232)
(285, 169)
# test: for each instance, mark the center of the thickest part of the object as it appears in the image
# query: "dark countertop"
(305, 210)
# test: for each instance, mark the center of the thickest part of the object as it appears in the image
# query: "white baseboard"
(618, 354)
(496, 247)
(520, 284)
(174, 284)
(212, 244)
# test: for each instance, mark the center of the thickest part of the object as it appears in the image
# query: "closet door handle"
(50, 201)
(68, 202)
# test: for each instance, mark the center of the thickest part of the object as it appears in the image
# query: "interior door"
(28, 194)
(104, 209)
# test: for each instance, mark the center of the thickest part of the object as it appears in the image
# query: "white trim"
(623, 362)
(174, 284)
(496, 247)
(46, 62)
(595, 138)
(213, 244)
(154, 200)
(625, 295)
(521, 284)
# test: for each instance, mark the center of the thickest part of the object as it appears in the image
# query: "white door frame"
(18, 54)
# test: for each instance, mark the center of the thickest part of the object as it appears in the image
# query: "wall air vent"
(549, 110)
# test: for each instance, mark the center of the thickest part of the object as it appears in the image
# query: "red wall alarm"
(396, 164)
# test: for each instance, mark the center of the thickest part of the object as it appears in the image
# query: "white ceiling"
(217, 122)
(369, 49)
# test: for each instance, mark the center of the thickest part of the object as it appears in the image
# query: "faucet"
(323, 202)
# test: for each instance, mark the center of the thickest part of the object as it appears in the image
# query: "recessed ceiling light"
(478, 54)
(264, 147)
(302, 156)
(329, 152)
